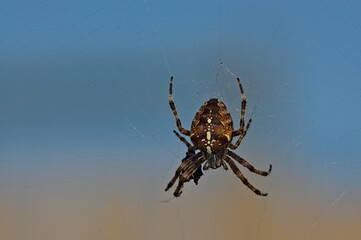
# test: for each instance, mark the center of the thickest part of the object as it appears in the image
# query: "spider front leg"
(189, 146)
(246, 164)
(184, 165)
(239, 174)
(174, 110)
(243, 111)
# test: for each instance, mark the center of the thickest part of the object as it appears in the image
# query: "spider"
(212, 133)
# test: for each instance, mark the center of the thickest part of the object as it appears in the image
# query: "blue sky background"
(86, 130)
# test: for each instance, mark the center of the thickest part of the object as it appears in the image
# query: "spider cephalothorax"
(212, 133)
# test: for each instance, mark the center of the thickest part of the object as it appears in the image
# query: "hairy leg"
(174, 110)
(243, 110)
(189, 146)
(246, 164)
(239, 174)
(234, 146)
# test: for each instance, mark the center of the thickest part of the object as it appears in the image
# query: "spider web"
(86, 130)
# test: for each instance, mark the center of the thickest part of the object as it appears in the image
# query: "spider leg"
(198, 173)
(189, 146)
(246, 164)
(184, 165)
(191, 151)
(234, 146)
(187, 174)
(174, 110)
(243, 111)
(239, 174)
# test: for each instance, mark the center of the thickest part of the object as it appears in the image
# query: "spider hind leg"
(239, 174)
(246, 164)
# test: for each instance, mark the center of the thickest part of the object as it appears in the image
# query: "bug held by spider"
(212, 134)
(198, 172)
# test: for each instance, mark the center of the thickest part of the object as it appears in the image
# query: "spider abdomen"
(212, 127)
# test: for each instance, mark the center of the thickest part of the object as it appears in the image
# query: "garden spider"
(212, 133)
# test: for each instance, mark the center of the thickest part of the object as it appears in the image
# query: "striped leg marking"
(174, 110)
(246, 164)
(239, 174)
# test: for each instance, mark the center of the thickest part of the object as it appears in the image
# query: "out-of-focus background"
(86, 142)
